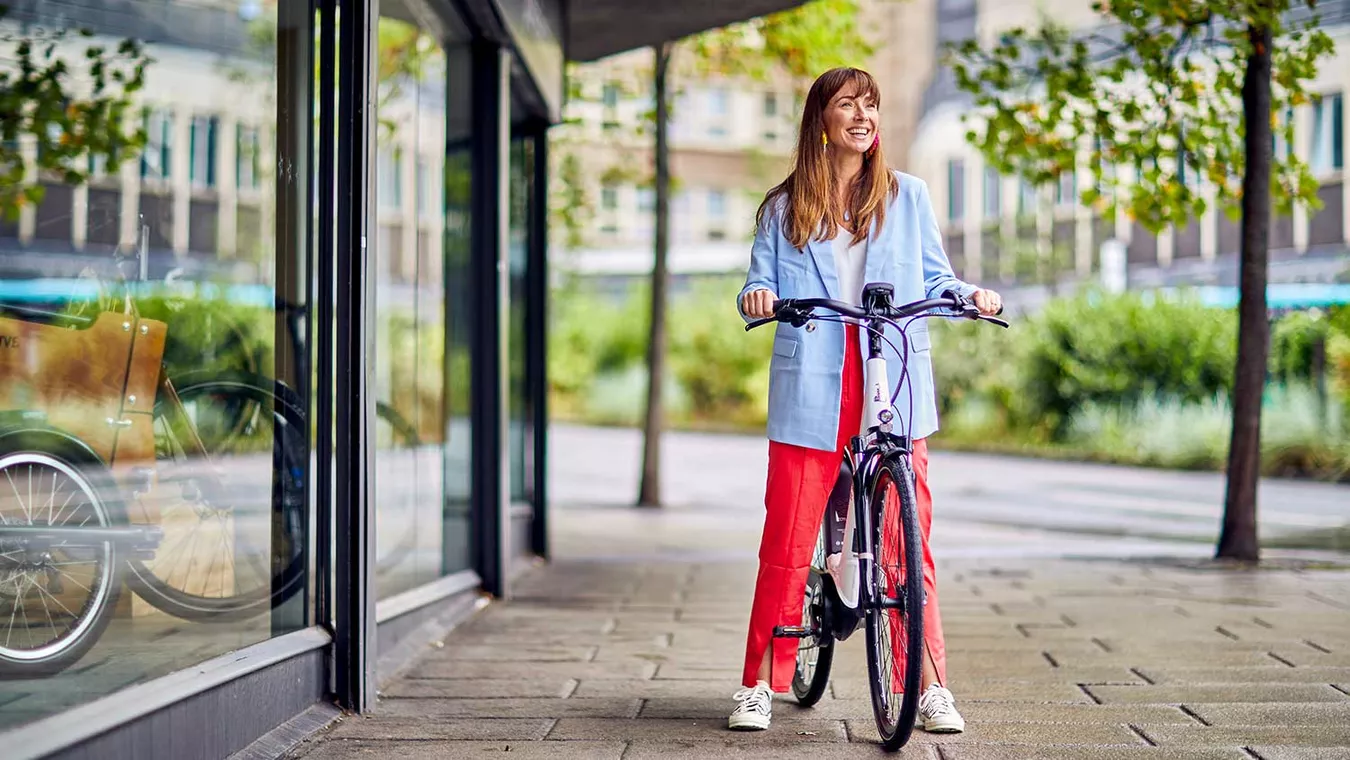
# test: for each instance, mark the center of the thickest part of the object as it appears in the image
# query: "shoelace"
(936, 702)
(753, 698)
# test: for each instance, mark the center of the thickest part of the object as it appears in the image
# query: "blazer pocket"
(918, 341)
(785, 347)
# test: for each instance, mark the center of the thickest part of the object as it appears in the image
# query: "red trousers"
(799, 483)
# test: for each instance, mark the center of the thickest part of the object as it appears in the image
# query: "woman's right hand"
(758, 304)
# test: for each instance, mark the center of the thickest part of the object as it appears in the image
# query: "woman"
(840, 220)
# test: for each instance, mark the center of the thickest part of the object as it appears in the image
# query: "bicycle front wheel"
(895, 623)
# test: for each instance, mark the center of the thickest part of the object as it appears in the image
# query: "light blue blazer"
(806, 370)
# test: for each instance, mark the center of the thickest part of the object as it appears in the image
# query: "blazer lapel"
(823, 252)
(878, 250)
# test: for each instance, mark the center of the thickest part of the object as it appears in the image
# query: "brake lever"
(994, 320)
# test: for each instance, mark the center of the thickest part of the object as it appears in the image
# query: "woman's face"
(851, 120)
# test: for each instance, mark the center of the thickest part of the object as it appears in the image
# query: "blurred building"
(731, 140)
(312, 435)
(994, 223)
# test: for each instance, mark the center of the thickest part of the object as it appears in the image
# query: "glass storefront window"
(154, 460)
(519, 411)
(418, 530)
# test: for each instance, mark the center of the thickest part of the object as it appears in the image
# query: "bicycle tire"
(106, 508)
(289, 464)
(895, 729)
(810, 678)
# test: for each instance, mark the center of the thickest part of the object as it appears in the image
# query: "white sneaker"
(937, 707)
(755, 709)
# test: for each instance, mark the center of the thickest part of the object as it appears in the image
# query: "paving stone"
(500, 653)
(966, 751)
(1301, 753)
(458, 729)
(342, 749)
(1272, 674)
(1210, 736)
(660, 729)
(1014, 732)
(1007, 691)
(1190, 694)
(436, 709)
(482, 688)
(1246, 714)
(627, 669)
(1161, 657)
(981, 712)
(656, 689)
(767, 745)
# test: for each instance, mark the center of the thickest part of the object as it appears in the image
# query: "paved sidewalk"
(629, 646)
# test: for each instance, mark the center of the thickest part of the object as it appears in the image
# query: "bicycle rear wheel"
(815, 654)
(895, 625)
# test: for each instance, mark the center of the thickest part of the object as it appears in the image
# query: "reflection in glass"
(153, 429)
(410, 310)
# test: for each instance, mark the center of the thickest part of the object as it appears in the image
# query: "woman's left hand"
(988, 302)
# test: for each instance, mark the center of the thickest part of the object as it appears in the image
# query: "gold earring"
(824, 139)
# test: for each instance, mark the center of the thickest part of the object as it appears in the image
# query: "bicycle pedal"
(792, 632)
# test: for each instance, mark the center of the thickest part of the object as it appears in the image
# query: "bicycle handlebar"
(797, 311)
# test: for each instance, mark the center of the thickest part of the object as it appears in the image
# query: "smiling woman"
(841, 219)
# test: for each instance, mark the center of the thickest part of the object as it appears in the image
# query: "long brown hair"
(810, 203)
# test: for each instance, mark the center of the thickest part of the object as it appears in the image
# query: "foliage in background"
(1125, 378)
(78, 112)
(1158, 88)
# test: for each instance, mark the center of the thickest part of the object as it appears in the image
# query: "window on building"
(246, 158)
(1328, 143)
(1066, 189)
(993, 191)
(157, 158)
(609, 198)
(610, 95)
(956, 190)
(202, 149)
(719, 108)
(717, 204)
(1026, 199)
(389, 178)
(1280, 147)
(646, 199)
(770, 105)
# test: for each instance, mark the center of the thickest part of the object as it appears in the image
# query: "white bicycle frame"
(877, 415)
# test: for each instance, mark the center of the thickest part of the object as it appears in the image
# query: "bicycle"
(88, 469)
(861, 585)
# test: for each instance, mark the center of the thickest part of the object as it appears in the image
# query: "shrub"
(1119, 349)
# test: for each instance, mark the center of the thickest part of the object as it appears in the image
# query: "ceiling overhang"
(597, 28)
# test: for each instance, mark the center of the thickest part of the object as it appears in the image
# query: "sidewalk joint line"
(1088, 692)
(1317, 646)
(1252, 753)
(571, 687)
(941, 755)
(1050, 659)
(1147, 740)
(1194, 715)
(1225, 632)
(1280, 659)
(1338, 688)
(626, 746)
(1328, 600)
(551, 728)
(642, 705)
(1101, 644)
(1262, 623)
(1068, 621)
(1182, 611)
(1143, 677)
(998, 610)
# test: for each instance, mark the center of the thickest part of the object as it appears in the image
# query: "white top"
(850, 261)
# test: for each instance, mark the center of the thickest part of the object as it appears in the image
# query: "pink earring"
(876, 143)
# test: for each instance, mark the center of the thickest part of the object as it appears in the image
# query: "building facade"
(999, 229)
(731, 139)
(272, 297)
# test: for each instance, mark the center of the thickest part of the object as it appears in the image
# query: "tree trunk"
(1239, 537)
(649, 491)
